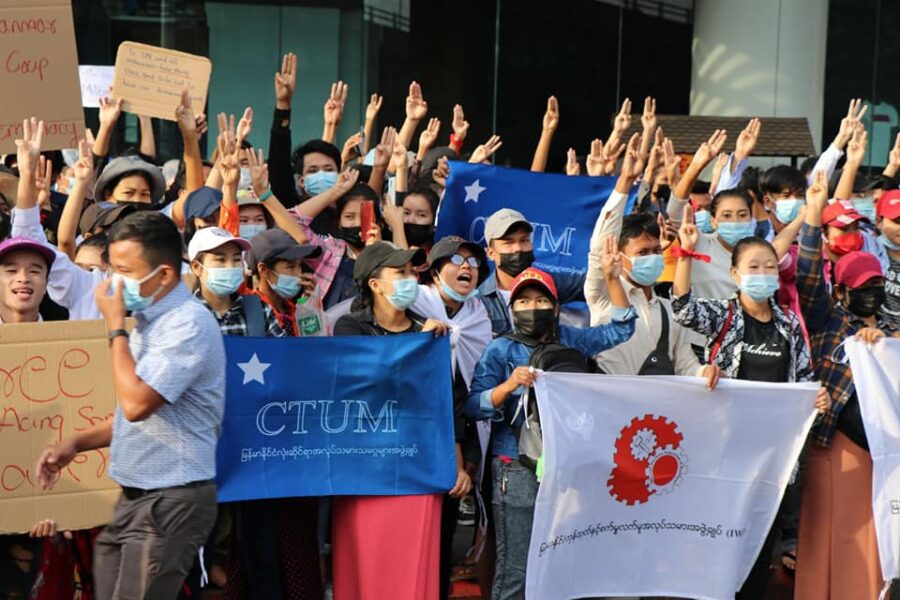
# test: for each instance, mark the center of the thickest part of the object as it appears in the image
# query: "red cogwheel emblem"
(648, 460)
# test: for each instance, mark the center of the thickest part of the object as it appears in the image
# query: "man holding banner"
(170, 382)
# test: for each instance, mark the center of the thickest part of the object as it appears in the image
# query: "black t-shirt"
(891, 307)
(343, 285)
(765, 355)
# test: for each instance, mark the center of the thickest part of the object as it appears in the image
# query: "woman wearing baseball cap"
(837, 554)
(372, 555)
(501, 377)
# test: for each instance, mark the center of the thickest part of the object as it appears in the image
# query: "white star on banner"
(253, 370)
(473, 191)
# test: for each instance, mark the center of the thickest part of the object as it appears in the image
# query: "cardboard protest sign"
(95, 83)
(39, 72)
(151, 79)
(55, 380)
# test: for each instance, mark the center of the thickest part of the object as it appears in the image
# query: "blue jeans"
(513, 516)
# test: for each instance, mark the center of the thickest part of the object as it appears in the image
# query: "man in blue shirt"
(170, 383)
(507, 234)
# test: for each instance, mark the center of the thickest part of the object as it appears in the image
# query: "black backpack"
(551, 357)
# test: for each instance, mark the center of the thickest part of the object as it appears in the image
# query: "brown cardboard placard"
(151, 79)
(55, 380)
(39, 72)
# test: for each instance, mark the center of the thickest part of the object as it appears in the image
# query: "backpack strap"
(718, 343)
(254, 316)
(662, 344)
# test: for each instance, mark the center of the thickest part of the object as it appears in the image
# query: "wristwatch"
(116, 333)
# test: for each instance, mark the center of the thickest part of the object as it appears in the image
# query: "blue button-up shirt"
(503, 355)
(178, 351)
(569, 286)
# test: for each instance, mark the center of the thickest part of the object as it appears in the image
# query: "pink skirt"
(386, 546)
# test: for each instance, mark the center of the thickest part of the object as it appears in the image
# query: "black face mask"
(351, 235)
(865, 302)
(418, 235)
(515, 262)
(536, 323)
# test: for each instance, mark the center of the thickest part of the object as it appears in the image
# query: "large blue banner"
(336, 416)
(562, 209)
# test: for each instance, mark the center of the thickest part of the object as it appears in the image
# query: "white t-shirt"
(712, 279)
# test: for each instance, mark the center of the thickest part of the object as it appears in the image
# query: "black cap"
(275, 244)
(103, 214)
(383, 254)
(447, 247)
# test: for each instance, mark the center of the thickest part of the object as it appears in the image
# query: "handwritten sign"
(95, 83)
(55, 380)
(151, 79)
(39, 72)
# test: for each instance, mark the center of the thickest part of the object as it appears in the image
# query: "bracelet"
(266, 195)
(679, 252)
(116, 333)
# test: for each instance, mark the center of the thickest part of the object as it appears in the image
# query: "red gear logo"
(648, 460)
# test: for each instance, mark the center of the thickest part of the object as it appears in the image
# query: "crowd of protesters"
(758, 274)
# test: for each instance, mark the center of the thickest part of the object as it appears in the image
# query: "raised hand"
(688, 234)
(747, 139)
(286, 81)
(350, 150)
(345, 181)
(43, 180)
(611, 261)
(441, 172)
(671, 163)
(855, 113)
(201, 125)
(817, 193)
(230, 168)
(226, 142)
(416, 107)
(551, 116)
(572, 166)
(399, 157)
(259, 171)
(110, 110)
(184, 115)
(709, 149)
(486, 150)
(667, 232)
(856, 149)
(429, 136)
(596, 160)
(84, 166)
(28, 148)
(718, 167)
(384, 150)
(648, 118)
(334, 105)
(460, 125)
(612, 151)
(373, 107)
(631, 164)
(623, 119)
(245, 126)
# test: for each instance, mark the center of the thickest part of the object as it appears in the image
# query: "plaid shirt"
(232, 321)
(829, 324)
(333, 250)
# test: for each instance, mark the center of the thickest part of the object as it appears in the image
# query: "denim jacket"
(503, 355)
(570, 287)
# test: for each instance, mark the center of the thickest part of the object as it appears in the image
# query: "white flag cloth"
(876, 375)
(655, 486)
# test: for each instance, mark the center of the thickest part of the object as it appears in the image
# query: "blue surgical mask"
(732, 232)
(888, 244)
(248, 231)
(759, 287)
(224, 282)
(865, 207)
(453, 294)
(645, 270)
(406, 292)
(131, 290)
(703, 222)
(287, 286)
(787, 210)
(316, 183)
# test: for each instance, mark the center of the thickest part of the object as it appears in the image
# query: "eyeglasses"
(459, 259)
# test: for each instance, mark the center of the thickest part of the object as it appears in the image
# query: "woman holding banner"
(387, 545)
(755, 339)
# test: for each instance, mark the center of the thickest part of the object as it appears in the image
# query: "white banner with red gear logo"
(876, 375)
(656, 486)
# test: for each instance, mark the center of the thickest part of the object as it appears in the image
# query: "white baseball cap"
(210, 238)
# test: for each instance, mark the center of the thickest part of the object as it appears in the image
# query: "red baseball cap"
(840, 214)
(889, 205)
(20, 243)
(532, 276)
(855, 268)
